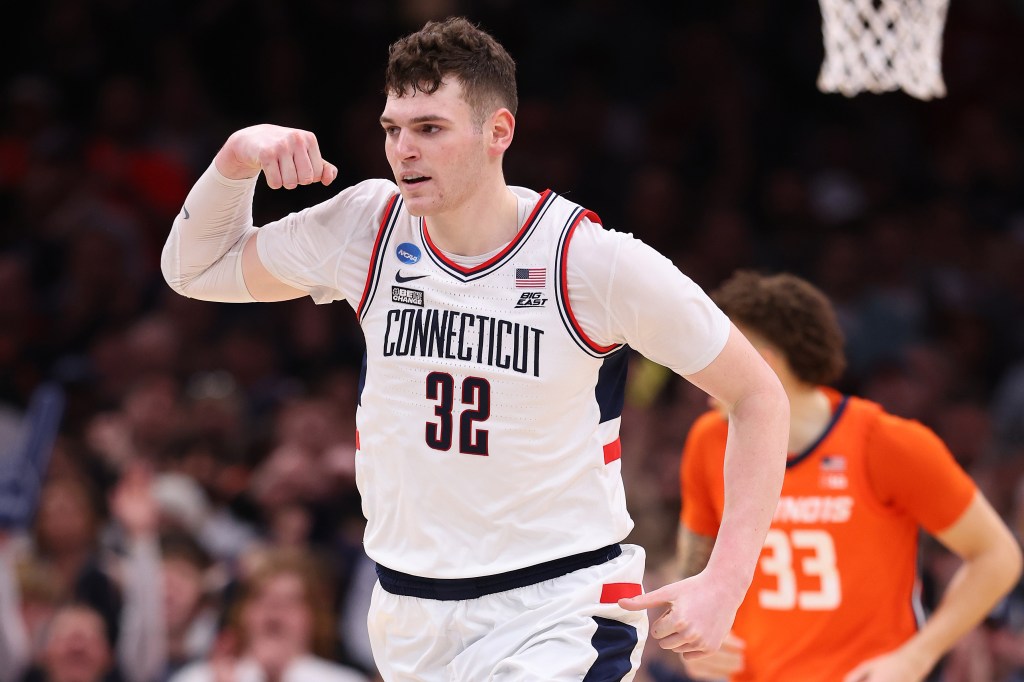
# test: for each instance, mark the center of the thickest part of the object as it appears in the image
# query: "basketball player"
(495, 320)
(833, 597)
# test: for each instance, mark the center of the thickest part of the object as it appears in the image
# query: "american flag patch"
(531, 278)
(833, 463)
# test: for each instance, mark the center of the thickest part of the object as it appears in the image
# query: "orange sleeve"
(912, 470)
(700, 487)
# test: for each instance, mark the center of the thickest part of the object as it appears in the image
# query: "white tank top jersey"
(491, 392)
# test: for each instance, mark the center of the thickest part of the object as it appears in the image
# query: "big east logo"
(531, 299)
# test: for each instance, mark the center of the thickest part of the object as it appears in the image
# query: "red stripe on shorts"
(612, 451)
(611, 593)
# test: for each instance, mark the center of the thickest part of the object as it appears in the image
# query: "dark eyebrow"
(419, 119)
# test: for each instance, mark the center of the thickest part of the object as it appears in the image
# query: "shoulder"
(599, 251)
(891, 433)
(369, 197)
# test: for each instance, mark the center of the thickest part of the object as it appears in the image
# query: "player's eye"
(430, 128)
(391, 131)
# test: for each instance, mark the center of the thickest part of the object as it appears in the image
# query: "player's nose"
(405, 146)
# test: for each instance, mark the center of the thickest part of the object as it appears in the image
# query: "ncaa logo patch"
(408, 253)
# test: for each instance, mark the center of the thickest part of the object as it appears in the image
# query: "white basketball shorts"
(565, 628)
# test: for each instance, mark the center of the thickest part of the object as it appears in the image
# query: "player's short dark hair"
(791, 314)
(454, 48)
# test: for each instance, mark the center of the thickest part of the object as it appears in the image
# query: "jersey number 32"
(475, 407)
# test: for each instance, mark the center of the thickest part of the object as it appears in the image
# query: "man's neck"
(810, 413)
(485, 223)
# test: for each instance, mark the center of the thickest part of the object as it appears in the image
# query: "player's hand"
(899, 665)
(699, 614)
(720, 665)
(288, 157)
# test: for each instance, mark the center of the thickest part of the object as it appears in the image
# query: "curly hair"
(792, 315)
(454, 48)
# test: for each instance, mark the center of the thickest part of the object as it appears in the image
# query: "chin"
(417, 206)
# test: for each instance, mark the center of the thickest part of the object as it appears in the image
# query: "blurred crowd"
(199, 516)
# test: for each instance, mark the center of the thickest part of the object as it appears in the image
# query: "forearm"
(972, 593)
(693, 552)
(142, 644)
(755, 459)
(15, 650)
(202, 256)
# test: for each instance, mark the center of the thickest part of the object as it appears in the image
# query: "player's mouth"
(413, 180)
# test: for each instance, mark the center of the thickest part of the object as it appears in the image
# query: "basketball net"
(883, 45)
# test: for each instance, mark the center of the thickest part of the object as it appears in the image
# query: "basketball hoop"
(883, 45)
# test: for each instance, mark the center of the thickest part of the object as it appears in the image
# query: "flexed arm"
(210, 253)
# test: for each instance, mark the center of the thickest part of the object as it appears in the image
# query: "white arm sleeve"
(202, 257)
(623, 291)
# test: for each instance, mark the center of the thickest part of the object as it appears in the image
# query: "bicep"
(736, 373)
(978, 529)
(261, 283)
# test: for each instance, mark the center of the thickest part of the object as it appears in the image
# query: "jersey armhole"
(562, 288)
(387, 222)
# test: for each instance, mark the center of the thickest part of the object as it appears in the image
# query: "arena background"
(697, 126)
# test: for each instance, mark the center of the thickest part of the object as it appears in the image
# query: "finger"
(307, 169)
(271, 169)
(720, 663)
(644, 601)
(679, 642)
(289, 174)
(694, 654)
(330, 173)
(711, 667)
(317, 163)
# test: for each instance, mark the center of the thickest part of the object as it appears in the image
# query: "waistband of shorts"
(457, 589)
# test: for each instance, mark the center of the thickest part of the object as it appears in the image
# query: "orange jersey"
(836, 581)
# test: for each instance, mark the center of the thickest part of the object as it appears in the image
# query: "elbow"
(177, 283)
(1014, 561)
(1006, 563)
(170, 267)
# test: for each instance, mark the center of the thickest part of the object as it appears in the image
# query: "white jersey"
(488, 417)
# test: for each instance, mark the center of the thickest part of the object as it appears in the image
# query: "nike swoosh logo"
(401, 280)
(185, 211)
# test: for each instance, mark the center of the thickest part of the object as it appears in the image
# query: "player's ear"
(500, 128)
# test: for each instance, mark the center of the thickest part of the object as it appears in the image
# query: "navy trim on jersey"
(458, 589)
(614, 642)
(362, 380)
(387, 228)
(511, 249)
(828, 429)
(576, 332)
(610, 390)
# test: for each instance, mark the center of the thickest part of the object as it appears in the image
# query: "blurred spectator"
(191, 615)
(280, 627)
(77, 648)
